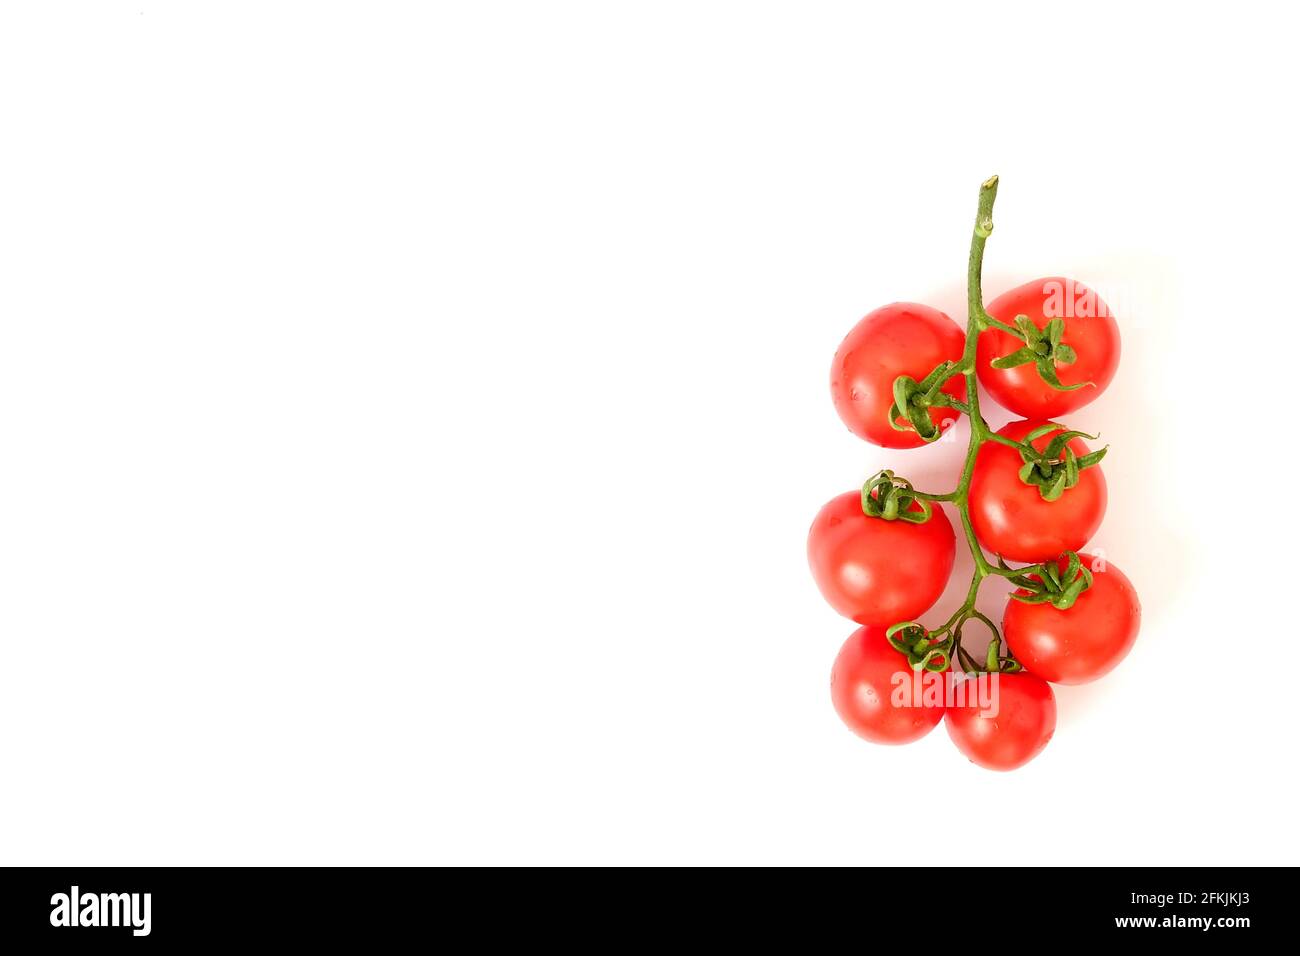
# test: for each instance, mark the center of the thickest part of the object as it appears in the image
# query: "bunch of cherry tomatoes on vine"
(1031, 492)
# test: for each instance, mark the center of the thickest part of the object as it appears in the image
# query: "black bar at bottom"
(211, 905)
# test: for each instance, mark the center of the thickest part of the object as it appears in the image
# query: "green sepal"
(1016, 359)
(913, 401)
(1055, 469)
(1090, 459)
(1059, 442)
(1053, 491)
(992, 655)
(1040, 431)
(1047, 372)
(1033, 597)
(890, 498)
(1043, 348)
(904, 387)
(1048, 583)
(1071, 593)
(1028, 331)
(922, 650)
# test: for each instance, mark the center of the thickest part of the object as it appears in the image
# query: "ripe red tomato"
(877, 571)
(1090, 330)
(900, 339)
(866, 674)
(1024, 722)
(1082, 642)
(1012, 519)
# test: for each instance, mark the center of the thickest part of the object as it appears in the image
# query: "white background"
(411, 416)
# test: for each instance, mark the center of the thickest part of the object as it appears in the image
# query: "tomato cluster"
(1030, 492)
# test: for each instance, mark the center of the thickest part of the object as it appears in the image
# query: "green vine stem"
(939, 647)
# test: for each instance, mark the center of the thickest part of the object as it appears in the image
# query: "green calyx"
(1056, 468)
(1043, 348)
(891, 498)
(923, 650)
(937, 650)
(913, 401)
(1049, 583)
(995, 662)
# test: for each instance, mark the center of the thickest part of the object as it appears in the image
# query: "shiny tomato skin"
(1090, 330)
(1012, 519)
(866, 672)
(875, 571)
(1024, 723)
(904, 338)
(1084, 641)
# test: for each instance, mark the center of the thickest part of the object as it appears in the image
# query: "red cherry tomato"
(877, 571)
(1016, 726)
(866, 675)
(899, 339)
(1082, 642)
(1090, 330)
(1012, 519)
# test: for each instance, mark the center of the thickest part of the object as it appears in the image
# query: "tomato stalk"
(977, 320)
